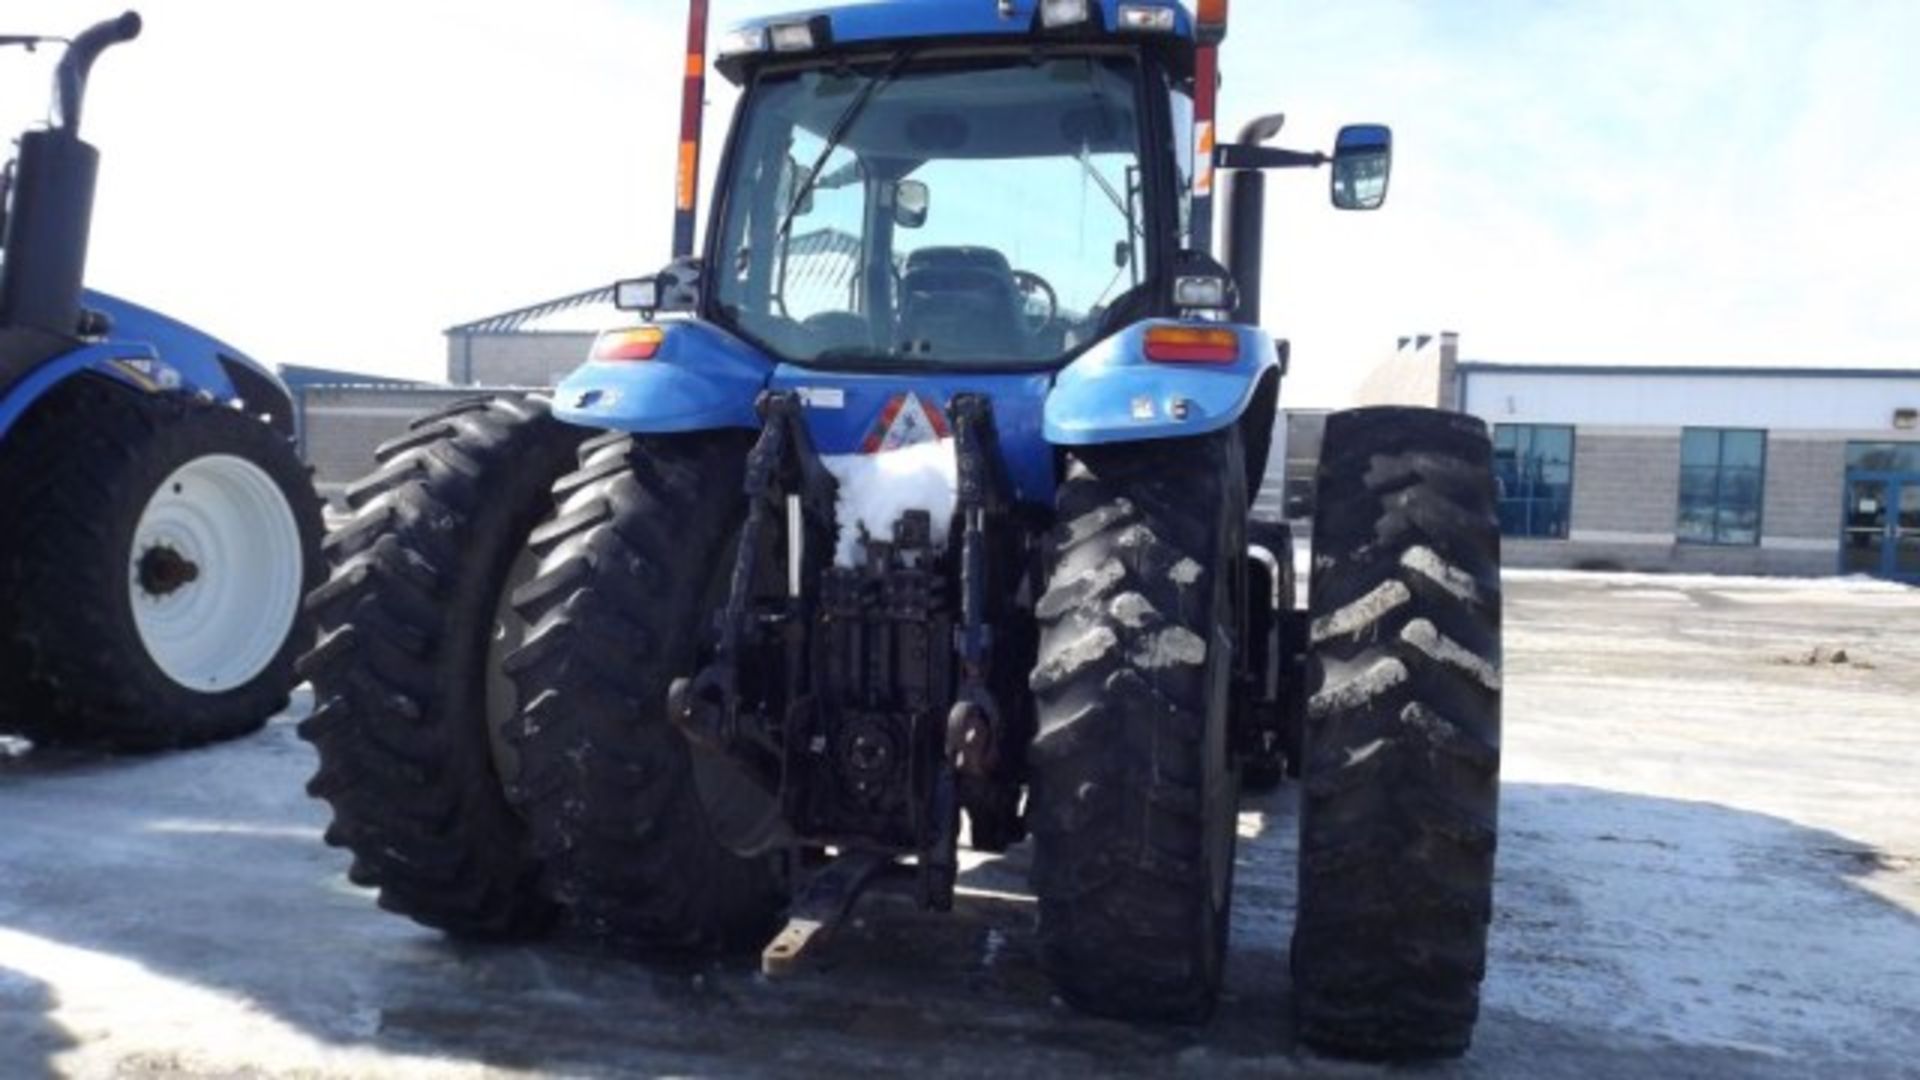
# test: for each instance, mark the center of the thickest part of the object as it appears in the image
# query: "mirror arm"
(1237, 156)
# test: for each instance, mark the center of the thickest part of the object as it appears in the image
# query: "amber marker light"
(638, 344)
(1192, 345)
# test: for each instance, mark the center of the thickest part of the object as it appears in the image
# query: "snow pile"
(875, 489)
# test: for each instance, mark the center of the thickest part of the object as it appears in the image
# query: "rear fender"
(701, 379)
(133, 365)
(205, 364)
(155, 354)
(1114, 394)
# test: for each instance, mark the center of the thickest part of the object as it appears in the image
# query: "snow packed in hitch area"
(875, 489)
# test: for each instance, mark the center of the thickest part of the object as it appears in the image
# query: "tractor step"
(826, 902)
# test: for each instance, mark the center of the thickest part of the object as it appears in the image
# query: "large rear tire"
(632, 567)
(154, 550)
(1133, 802)
(1399, 816)
(412, 625)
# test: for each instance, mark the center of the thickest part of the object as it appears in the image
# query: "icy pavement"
(1708, 869)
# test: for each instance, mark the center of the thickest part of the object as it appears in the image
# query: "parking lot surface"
(1710, 866)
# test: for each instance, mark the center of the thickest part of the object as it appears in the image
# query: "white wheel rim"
(215, 573)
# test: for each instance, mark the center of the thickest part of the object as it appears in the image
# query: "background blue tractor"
(157, 528)
(922, 510)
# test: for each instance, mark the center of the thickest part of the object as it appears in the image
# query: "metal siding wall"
(516, 359)
(1776, 403)
(345, 424)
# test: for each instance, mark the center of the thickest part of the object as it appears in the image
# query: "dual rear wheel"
(508, 605)
(1133, 796)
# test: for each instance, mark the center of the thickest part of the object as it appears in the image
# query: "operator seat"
(961, 302)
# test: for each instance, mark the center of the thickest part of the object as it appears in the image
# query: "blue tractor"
(157, 528)
(917, 512)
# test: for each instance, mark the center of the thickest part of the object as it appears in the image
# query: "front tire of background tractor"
(1134, 798)
(633, 566)
(154, 550)
(405, 676)
(1398, 819)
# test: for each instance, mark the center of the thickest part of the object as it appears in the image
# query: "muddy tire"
(153, 552)
(1399, 816)
(405, 672)
(1133, 803)
(632, 567)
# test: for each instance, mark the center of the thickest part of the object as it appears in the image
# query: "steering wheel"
(1026, 285)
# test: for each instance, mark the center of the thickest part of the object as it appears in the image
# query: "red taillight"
(639, 344)
(1192, 345)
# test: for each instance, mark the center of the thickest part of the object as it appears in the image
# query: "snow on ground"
(875, 489)
(1710, 867)
(1799, 585)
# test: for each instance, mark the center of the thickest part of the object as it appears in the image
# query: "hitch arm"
(783, 475)
(973, 725)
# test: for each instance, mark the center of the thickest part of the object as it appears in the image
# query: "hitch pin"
(796, 545)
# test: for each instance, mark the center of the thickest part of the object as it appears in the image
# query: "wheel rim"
(215, 573)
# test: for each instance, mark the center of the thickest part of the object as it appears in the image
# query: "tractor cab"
(1000, 206)
(1011, 198)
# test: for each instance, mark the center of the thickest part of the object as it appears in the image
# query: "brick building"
(1806, 471)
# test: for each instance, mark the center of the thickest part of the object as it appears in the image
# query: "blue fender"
(151, 352)
(206, 365)
(1114, 394)
(131, 364)
(702, 378)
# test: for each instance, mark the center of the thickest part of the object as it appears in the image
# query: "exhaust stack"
(46, 230)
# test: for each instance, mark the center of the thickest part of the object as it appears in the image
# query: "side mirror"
(675, 289)
(911, 202)
(1362, 163)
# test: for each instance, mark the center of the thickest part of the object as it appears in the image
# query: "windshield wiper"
(1085, 158)
(842, 127)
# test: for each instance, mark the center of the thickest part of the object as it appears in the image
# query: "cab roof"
(884, 22)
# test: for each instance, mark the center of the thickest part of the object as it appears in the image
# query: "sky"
(1611, 181)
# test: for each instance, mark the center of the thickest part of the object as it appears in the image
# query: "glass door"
(1880, 534)
(1864, 535)
(1905, 538)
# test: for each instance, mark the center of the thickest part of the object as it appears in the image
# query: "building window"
(1723, 480)
(1890, 457)
(1533, 466)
